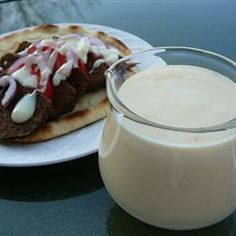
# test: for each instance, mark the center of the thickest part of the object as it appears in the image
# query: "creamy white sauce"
(24, 109)
(52, 59)
(64, 49)
(11, 90)
(110, 55)
(25, 78)
(96, 64)
(71, 41)
(73, 47)
(62, 73)
(183, 96)
(82, 49)
(52, 43)
(166, 178)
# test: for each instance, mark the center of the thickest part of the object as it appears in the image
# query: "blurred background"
(206, 24)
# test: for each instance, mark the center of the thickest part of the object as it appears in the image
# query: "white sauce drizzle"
(23, 53)
(52, 59)
(24, 109)
(62, 73)
(110, 55)
(52, 43)
(96, 64)
(82, 49)
(64, 49)
(25, 78)
(74, 47)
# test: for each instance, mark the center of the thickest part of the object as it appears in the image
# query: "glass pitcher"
(169, 177)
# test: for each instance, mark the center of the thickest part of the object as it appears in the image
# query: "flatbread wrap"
(52, 80)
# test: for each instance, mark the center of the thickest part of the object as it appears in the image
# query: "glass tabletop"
(70, 198)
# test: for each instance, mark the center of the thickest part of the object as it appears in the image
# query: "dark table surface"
(69, 198)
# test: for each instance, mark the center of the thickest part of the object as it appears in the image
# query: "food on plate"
(52, 80)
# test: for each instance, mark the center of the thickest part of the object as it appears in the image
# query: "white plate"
(75, 145)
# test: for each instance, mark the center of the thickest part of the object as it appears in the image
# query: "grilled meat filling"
(64, 97)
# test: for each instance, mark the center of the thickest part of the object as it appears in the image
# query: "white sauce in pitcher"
(167, 178)
(182, 96)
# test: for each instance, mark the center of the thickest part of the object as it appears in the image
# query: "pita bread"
(90, 108)
(10, 42)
